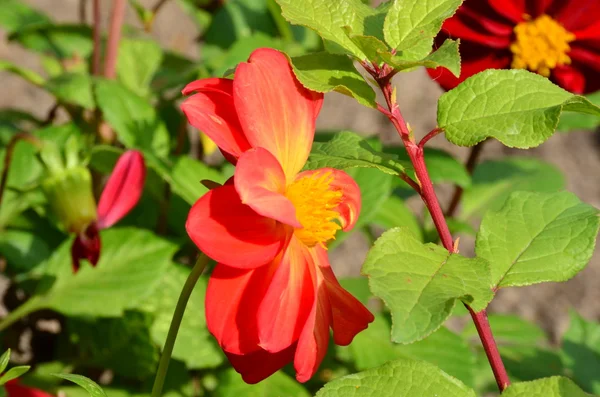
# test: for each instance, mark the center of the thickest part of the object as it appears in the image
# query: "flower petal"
(349, 315)
(314, 339)
(123, 189)
(260, 182)
(288, 301)
(511, 9)
(14, 389)
(232, 300)
(261, 364)
(233, 233)
(211, 110)
(472, 23)
(350, 203)
(275, 110)
(475, 59)
(86, 246)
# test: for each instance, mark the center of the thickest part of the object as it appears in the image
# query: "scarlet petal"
(350, 203)
(211, 110)
(349, 315)
(14, 389)
(569, 78)
(511, 9)
(275, 110)
(577, 15)
(233, 233)
(232, 300)
(288, 301)
(260, 182)
(470, 65)
(463, 27)
(123, 189)
(86, 246)
(261, 364)
(314, 339)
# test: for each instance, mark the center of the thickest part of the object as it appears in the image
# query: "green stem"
(163, 365)
(26, 308)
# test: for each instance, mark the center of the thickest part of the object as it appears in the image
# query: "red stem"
(489, 345)
(96, 34)
(415, 152)
(432, 134)
(114, 36)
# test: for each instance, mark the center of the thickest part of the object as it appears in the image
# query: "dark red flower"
(559, 39)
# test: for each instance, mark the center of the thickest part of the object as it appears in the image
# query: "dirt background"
(577, 155)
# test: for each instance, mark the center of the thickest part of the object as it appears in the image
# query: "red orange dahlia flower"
(272, 297)
(121, 193)
(559, 39)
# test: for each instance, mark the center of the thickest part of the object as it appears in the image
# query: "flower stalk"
(429, 197)
(184, 297)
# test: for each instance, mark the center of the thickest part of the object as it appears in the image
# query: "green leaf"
(372, 347)
(23, 249)
(4, 359)
(186, 176)
(447, 56)
(73, 42)
(358, 287)
(420, 283)
(412, 22)
(576, 121)
(72, 88)
(350, 150)
(135, 121)
(519, 108)
(13, 373)
(402, 377)
(325, 72)
(494, 181)
(330, 19)
(194, 345)
(28, 75)
(581, 352)
(132, 263)
(278, 384)
(137, 63)
(16, 15)
(394, 212)
(537, 237)
(556, 386)
(123, 345)
(89, 385)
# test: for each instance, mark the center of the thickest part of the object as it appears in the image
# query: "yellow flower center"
(541, 45)
(315, 202)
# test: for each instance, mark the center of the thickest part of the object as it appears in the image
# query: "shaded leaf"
(89, 385)
(72, 88)
(278, 384)
(137, 63)
(581, 352)
(325, 72)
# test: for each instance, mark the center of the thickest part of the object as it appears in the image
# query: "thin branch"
(432, 134)
(96, 33)
(411, 183)
(114, 36)
(470, 166)
(81, 11)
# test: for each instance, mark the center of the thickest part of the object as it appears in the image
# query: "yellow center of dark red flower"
(315, 201)
(541, 45)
